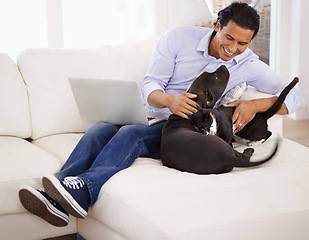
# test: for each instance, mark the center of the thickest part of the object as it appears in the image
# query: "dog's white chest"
(213, 127)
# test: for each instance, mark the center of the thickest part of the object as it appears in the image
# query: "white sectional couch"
(40, 125)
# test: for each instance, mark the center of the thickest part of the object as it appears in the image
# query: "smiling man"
(183, 53)
(230, 41)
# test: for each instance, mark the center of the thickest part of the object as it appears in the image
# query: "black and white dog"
(185, 149)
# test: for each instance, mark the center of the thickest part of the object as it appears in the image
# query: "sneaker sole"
(38, 205)
(56, 191)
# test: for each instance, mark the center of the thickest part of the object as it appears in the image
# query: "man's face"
(230, 41)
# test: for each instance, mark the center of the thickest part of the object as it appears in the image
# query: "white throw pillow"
(234, 94)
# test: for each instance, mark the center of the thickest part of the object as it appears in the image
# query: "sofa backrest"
(46, 72)
(14, 111)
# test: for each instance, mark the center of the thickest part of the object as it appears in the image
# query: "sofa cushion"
(21, 163)
(150, 201)
(46, 72)
(60, 145)
(27, 226)
(14, 111)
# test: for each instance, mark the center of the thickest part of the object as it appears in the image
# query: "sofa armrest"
(275, 122)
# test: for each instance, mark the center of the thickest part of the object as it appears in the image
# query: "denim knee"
(144, 137)
(100, 130)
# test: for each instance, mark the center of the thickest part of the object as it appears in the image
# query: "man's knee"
(101, 129)
(132, 130)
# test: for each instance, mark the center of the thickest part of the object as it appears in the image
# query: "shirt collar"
(204, 43)
(203, 47)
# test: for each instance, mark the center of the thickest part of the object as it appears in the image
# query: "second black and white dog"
(219, 121)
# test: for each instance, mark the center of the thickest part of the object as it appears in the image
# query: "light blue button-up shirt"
(182, 55)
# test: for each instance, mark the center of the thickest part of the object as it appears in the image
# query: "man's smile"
(227, 52)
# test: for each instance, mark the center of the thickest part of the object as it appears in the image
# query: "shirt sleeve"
(162, 64)
(265, 80)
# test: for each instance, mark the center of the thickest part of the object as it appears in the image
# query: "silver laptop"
(113, 101)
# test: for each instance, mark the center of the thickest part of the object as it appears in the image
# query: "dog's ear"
(209, 101)
(207, 115)
(198, 107)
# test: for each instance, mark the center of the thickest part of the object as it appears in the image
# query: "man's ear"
(218, 26)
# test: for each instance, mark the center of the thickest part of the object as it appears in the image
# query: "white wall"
(54, 23)
(303, 57)
(289, 45)
(170, 13)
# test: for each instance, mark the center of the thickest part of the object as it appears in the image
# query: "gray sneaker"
(39, 203)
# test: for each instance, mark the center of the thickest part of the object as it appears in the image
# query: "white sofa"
(40, 125)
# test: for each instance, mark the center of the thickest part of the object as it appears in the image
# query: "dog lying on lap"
(186, 147)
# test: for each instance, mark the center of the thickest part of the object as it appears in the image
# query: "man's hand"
(181, 104)
(245, 111)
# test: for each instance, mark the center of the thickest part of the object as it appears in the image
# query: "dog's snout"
(223, 70)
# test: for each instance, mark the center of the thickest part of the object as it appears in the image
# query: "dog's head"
(204, 121)
(209, 86)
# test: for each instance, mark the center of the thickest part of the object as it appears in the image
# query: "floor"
(67, 237)
(296, 130)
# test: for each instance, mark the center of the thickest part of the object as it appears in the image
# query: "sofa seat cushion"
(27, 226)
(150, 201)
(24, 163)
(60, 145)
(21, 163)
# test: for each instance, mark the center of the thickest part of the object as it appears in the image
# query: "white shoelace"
(73, 182)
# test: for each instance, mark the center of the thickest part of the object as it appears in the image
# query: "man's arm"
(181, 104)
(246, 110)
(265, 80)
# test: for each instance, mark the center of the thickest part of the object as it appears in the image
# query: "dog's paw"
(249, 151)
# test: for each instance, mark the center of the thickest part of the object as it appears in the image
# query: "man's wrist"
(158, 99)
(263, 104)
(166, 99)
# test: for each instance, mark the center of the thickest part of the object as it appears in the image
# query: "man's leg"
(40, 203)
(76, 194)
(87, 149)
(129, 143)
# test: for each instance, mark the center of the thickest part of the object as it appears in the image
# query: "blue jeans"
(106, 149)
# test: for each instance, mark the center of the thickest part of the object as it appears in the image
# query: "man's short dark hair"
(242, 14)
